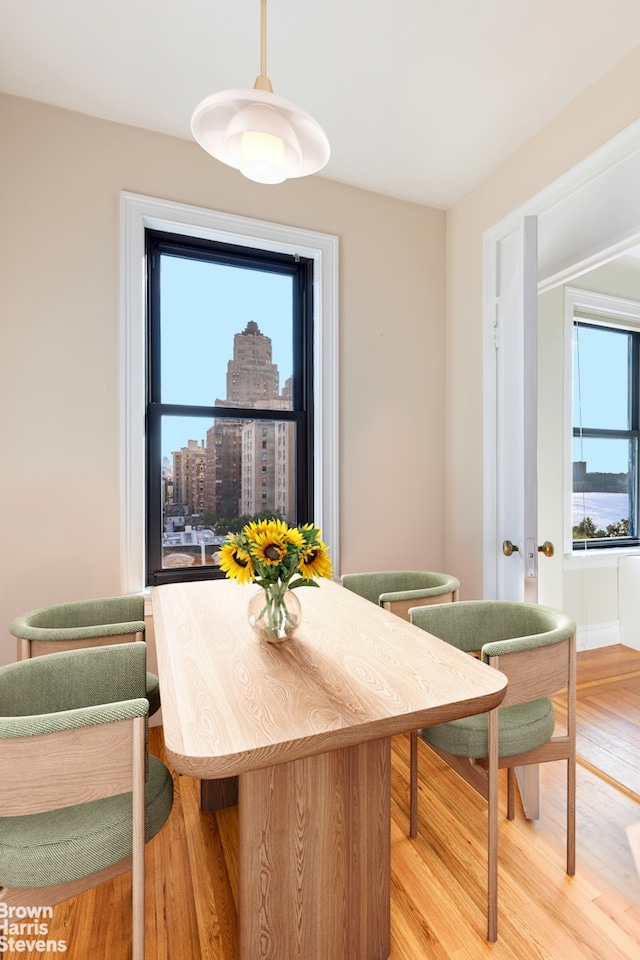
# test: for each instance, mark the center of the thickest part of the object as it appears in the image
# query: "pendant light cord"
(263, 38)
(263, 82)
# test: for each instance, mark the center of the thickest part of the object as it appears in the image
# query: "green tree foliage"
(619, 529)
(586, 530)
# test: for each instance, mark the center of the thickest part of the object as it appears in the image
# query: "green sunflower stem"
(275, 612)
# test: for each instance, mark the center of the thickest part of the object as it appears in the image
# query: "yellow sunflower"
(236, 562)
(259, 528)
(315, 562)
(256, 527)
(269, 547)
(271, 552)
(294, 536)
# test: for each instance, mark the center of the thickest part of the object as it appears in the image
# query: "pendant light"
(267, 138)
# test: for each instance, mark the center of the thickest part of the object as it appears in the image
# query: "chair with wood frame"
(534, 646)
(398, 591)
(78, 624)
(79, 795)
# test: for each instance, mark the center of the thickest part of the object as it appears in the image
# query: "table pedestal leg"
(314, 857)
(218, 794)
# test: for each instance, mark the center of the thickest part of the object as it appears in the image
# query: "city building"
(188, 477)
(252, 377)
(249, 463)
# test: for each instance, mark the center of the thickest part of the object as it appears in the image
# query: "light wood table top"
(353, 673)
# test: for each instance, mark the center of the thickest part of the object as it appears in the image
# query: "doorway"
(588, 218)
(590, 583)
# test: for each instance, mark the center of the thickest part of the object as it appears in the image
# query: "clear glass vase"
(274, 613)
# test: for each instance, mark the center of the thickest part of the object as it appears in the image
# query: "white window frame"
(615, 311)
(140, 212)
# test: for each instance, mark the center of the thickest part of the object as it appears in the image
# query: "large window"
(606, 432)
(183, 398)
(230, 397)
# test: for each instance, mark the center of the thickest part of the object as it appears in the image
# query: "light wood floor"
(438, 881)
(608, 738)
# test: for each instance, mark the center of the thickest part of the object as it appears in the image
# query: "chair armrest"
(12, 728)
(27, 631)
(565, 627)
(86, 633)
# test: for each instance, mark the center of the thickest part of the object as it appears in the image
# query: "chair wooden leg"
(492, 831)
(413, 786)
(571, 816)
(511, 805)
(571, 761)
(137, 876)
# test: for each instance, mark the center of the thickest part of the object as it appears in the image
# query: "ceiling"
(420, 99)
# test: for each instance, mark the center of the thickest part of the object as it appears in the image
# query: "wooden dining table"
(306, 725)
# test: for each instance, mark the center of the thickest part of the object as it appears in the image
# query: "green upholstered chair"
(398, 591)
(534, 646)
(79, 794)
(84, 623)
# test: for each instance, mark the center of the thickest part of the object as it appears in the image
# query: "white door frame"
(588, 216)
(516, 388)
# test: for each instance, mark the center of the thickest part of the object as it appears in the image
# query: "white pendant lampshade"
(267, 138)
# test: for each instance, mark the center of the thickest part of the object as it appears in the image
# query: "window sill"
(594, 558)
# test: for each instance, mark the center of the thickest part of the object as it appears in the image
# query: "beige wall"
(600, 113)
(60, 180)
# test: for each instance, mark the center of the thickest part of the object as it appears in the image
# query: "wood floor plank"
(216, 913)
(608, 714)
(608, 664)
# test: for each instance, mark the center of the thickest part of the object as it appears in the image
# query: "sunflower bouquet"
(278, 558)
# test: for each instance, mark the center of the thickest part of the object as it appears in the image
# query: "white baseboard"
(595, 635)
(630, 637)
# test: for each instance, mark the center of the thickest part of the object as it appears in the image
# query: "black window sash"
(159, 243)
(632, 434)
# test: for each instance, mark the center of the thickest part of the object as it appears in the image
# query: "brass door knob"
(508, 548)
(547, 548)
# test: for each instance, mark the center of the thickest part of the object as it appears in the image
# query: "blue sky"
(203, 305)
(600, 396)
